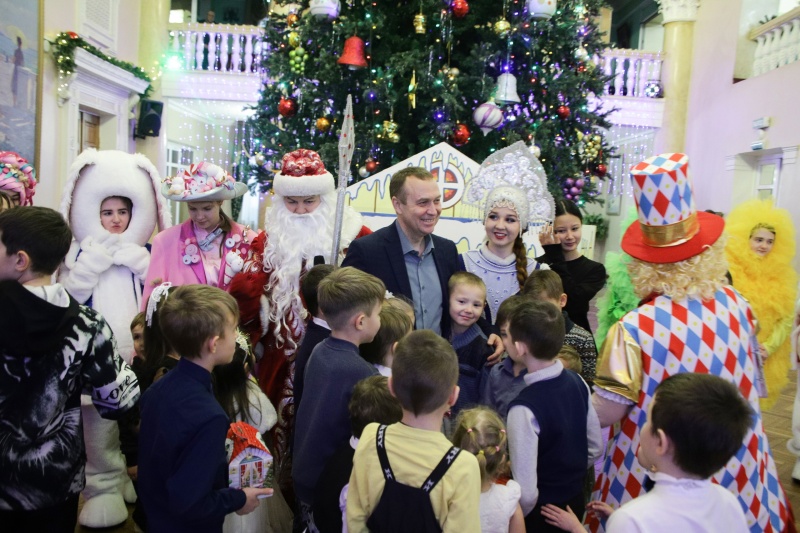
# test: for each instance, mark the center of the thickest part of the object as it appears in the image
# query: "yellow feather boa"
(769, 283)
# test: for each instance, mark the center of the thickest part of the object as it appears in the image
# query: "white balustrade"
(215, 47)
(777, 42)
(629, 71)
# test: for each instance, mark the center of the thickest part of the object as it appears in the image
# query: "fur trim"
(284, 185)
(96, 175)
(769, 283)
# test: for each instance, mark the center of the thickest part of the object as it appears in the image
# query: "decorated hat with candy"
(514, 178)
(302, 174)
(670, 229)
(17, 176)
(202, 182)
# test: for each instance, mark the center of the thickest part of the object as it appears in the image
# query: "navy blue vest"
(560, 406)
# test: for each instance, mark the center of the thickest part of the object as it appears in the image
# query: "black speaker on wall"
(149, 123)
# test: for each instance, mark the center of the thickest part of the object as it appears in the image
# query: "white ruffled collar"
(483, 249)
(663, 480)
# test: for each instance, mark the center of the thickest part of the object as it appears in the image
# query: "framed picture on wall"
(20, 77)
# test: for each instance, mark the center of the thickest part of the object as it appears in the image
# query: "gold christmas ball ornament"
(291, 19)
(294, 39)
(323, 124)
(419, 23)
(502, 27)
(260, 160)
(389, 132)
(452, 73)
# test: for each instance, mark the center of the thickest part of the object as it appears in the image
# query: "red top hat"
(670, 229)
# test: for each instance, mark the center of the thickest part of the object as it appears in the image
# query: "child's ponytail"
(481, 432)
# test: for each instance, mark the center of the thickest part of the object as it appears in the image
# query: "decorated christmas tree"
(479, 76)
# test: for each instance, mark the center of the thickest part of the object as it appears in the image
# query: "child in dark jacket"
(467, 300)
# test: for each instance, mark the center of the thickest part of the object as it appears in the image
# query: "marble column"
(679, 17)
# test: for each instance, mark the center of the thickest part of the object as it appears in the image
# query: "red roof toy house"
(249, 460)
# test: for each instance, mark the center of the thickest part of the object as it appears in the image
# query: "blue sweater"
(322, 423)
(183, 471)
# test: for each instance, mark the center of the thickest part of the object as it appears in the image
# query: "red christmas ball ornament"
(72, 35)
(287, 107)
(601, 170)
(460, 8)
(581, 68)
(461, 135)
(563, 111)
(371, 165)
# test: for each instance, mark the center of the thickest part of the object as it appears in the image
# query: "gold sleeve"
(619, 366)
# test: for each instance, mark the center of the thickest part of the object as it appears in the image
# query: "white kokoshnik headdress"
(512, 177)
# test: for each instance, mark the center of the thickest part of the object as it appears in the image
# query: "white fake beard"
(292, 243)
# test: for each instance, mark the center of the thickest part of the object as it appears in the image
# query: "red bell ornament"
(287, 107)
(353, 53)
(461, 135)
(460, 8)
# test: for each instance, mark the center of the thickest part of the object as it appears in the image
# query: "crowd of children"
(395, 429)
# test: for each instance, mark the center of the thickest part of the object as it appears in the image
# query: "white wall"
(719, 123)
(63, 15)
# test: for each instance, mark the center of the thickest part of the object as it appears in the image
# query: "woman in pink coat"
(209, 248)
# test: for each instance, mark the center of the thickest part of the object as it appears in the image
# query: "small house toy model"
(249, 460)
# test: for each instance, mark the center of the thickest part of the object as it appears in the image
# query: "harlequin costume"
(271, 310)
(666, 335)
(185, 254)
(106, 272)
(769, 283)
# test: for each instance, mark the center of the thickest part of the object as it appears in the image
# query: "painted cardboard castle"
(459, 222)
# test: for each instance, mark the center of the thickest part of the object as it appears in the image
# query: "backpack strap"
(380, 443)
(441, 469)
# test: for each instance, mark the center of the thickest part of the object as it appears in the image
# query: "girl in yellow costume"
(766, 278)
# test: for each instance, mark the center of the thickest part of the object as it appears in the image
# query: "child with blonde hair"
(395, 324)
(481, 432)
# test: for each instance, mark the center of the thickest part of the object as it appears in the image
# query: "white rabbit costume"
(106, 271)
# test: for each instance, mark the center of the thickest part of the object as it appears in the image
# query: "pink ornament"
(575, 191)
(580, 183)
(568, 196)
(570, 182)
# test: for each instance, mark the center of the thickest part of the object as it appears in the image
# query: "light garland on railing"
(63, 49)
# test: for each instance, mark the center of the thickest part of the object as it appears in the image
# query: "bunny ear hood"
(96, 175)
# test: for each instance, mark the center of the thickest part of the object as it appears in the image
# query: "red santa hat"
(302, 174)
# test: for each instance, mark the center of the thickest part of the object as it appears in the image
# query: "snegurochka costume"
(515, 179)
(665, 336)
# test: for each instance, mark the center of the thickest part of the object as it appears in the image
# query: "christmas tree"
(479, 76)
